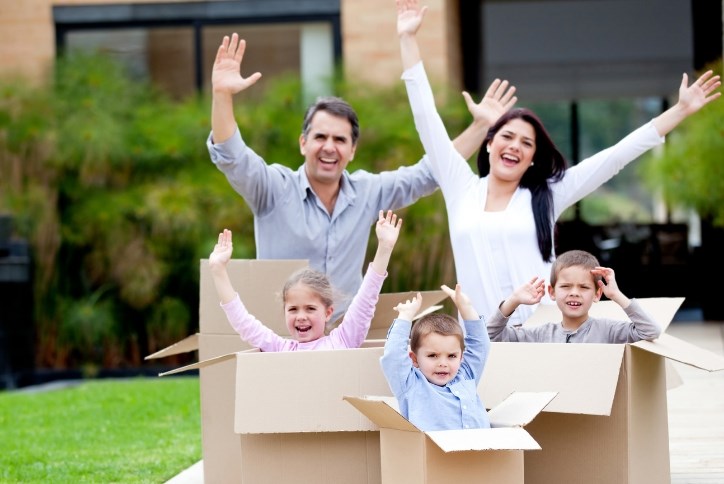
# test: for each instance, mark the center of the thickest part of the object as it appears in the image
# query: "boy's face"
(575, 292)
(438, 358)
(305, 313)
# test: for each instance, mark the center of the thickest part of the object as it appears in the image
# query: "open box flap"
(199, 364)
(676, 349)
(519, 409)
(206, 362)
(259, 283)
(385, 310)
(662, 309)
(514, 438)
(583, 375)
(382, 411)
(186, 345)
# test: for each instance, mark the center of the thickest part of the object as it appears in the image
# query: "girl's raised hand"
(221, 254)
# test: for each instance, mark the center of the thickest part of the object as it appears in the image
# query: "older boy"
(577, 281)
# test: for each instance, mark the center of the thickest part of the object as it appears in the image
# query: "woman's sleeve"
(586, 176)
(447, 165)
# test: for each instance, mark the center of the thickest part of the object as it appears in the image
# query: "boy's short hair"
(574, 258)
(439, 323)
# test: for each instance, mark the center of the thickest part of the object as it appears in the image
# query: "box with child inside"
(281, 417)
(609, 420)
(295, 404)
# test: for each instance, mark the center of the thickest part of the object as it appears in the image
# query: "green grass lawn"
(133, 430)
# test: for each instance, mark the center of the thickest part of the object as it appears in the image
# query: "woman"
(501, 222)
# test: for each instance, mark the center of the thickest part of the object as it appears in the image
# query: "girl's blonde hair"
(315, 280)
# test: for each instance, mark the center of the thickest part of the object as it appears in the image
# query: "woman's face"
(511, 150)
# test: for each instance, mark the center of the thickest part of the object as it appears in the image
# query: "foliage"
(118, 206)
(110, 182)
(135, 430)
(689, 171)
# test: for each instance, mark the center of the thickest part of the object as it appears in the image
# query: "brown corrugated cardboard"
(287, 407)
(495, 455)
(232, 457)
(608, 423)
(259, 283)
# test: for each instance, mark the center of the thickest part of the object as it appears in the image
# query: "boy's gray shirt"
(594, 330)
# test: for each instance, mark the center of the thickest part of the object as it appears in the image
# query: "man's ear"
(413, 357)
(302, 145)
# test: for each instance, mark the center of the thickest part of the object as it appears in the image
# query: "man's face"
(327, 148)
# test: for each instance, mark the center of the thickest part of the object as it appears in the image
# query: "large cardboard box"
(609, 422)
(276, 454)
(484, 456)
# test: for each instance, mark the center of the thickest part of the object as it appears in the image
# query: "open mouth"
(509, 159)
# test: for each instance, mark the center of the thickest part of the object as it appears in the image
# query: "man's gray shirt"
(290, 222)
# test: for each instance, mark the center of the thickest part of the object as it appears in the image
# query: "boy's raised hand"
(462, 302)
(609, 284)
(387, 228)
(221, 254)
(409, 309)
(531, 292)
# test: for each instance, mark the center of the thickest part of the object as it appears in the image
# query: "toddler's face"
(438, 358)
(305, 314)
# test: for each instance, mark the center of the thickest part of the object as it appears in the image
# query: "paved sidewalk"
(696, 415)
(696, 411)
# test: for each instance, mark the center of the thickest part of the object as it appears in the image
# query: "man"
(320, 211)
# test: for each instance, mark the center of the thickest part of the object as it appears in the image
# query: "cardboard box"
(495, 455)
(256, 457)
(609, 421)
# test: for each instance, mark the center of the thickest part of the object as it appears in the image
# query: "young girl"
(308, 300)
(436, 381)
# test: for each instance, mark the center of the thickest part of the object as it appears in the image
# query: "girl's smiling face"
(305, 313)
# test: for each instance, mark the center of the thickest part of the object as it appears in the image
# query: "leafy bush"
(689, 172)
(111, 183)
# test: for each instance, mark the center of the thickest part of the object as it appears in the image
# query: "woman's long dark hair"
(549, 165)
